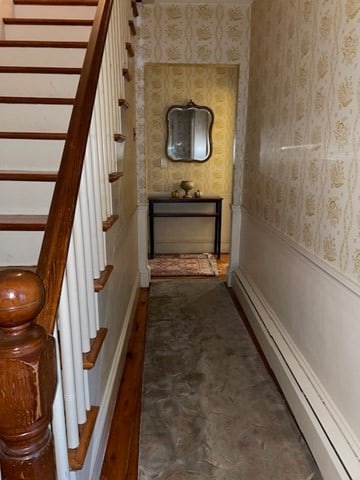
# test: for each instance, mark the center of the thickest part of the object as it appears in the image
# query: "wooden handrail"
(54, 249)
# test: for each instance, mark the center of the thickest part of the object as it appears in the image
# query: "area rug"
(184, 264)
(210, 409)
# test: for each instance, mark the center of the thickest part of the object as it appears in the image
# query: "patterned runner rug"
(184, 264)
(210, 409)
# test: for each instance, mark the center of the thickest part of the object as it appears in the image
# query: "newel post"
(27, 380)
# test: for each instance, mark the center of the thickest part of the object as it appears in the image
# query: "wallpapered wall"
(213, 86)
(191, 34)
(303, 136)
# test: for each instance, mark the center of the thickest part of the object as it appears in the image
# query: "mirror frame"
(170, 135)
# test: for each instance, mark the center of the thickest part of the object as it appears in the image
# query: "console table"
(216, 214)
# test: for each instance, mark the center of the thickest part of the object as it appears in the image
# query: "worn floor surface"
(210, 408)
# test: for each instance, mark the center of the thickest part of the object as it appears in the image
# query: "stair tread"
(34, 135)
(37, 100)
(47, 21)
(47, 70)
(85, 3)
(23, 222)
(43, 43)
(27, 175)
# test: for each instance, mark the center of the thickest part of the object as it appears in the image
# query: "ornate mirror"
(189, 133)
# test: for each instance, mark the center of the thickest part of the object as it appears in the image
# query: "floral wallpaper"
(212, 85)
(191, 34)
(301, 171)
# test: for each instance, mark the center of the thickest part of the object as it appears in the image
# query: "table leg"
(218, 229)
(151, 225)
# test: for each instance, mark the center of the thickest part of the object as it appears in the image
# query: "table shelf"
(216, 214)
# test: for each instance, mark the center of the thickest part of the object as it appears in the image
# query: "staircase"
(44, 111)
(40, 65)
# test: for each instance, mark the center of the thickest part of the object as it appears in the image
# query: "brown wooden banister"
(54, 250)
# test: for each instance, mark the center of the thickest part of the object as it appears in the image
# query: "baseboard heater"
(329, 438)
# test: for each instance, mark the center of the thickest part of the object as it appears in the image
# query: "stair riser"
(46, 32)
(54, 11)
(42, 57)
(38, 85)
(25, 198)
(34, 118)
(31, 154)
(20, 248)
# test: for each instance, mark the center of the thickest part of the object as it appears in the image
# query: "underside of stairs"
(41, 59)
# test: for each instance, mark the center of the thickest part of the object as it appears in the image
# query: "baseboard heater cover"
(329, 438)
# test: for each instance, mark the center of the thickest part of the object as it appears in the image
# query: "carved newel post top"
(21, 297)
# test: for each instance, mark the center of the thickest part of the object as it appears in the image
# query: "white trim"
(334, 445)
(142, 223)
(234, 241)
(101, 430)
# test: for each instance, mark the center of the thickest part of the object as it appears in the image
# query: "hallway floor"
(211, 409)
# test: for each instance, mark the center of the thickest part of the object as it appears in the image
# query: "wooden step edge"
(126, 74)
(89, 358)
(85, 3)
(132, 28)
(109, 222)
(31, 268)
(78, 22)
(32, 136)
(99, 283)
(37, 100)
(134, 8)
(43, 44)
(119, 137)
(114, 176)
(27, 176)
(23, 223)
(129, 49)
(45, 70)
(123, 103)
(77, 455)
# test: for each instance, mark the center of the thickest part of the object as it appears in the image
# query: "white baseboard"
(103, 422)
(330, 439)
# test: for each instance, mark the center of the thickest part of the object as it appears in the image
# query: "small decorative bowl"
(187, 185)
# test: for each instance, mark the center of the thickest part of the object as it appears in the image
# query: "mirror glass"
(189, 132)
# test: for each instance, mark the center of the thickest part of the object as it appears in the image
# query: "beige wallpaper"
(195, 35)
(303, 137)
(209, 85)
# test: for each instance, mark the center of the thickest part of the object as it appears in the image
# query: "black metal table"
(161, 199)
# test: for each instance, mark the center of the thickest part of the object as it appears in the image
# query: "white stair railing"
(78, 316)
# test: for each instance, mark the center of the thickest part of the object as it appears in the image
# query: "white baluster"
(87, 251)
(68, 378)
(98, 144)
(72, 288)
(81, 276)
(96, 184)
(58, 423)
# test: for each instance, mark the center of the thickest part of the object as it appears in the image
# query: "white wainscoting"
(306, 318)
(98, 444)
